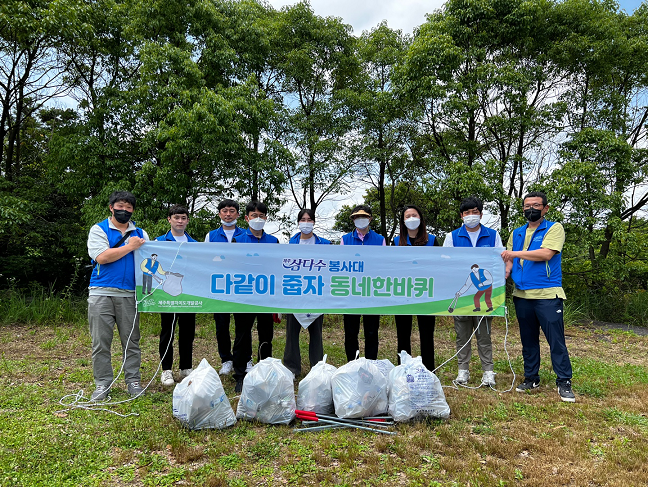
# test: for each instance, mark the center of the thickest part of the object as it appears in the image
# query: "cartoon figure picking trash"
(483, 282)
(150, 267)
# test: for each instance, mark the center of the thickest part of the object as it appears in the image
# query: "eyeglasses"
(537, 206)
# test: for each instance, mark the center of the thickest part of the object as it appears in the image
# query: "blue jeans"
(533, 314)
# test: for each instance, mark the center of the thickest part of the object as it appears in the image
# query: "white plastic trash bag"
(359, 389)
(199, 401)
(173, 284)
(314, 393)
(384, 365)
(268, 393)
(415, 392)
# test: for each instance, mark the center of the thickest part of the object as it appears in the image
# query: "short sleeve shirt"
(554, 239)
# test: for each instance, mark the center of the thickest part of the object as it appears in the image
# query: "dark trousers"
(147, 283)
(426, 325)
(242, 352)
(292, 354)
(370, 324)
(185, 323)
(532, 315)
(223, 340)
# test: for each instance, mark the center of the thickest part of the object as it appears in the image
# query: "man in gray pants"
(473, 234)
(111, 299)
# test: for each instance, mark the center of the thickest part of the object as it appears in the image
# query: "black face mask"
(122, 216)
(533, 214)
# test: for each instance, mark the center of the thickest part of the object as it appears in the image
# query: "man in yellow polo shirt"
(533, 260)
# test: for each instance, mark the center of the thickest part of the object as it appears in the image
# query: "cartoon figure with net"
(482, 279)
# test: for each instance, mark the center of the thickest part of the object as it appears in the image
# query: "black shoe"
(565, 391)
(239, 386)
(477, 309)
(527, 385)
(490, 309)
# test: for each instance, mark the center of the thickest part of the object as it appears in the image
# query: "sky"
(402, 14)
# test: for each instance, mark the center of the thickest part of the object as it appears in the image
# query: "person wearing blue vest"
(150, 267)
(413, 232)
(314, 322)
(228, 232)
(534, 261)
(473, 234)
(111, 299)
(362, 235)
(256, 216)
(178, 219)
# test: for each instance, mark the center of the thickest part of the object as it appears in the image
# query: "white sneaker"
(463, 376)
(227, 368)
(249, 366)
(167, 378)
(488, 379)
(185, 372)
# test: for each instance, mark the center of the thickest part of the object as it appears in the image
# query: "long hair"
(421, 235)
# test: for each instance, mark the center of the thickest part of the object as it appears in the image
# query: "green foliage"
(190, 103)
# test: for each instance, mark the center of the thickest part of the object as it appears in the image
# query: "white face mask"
(257, 224)
(471, 221)
(228, 224)
(361, 223)
(306, 227)
(413, 223)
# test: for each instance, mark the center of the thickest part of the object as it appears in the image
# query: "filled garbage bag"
(359, 389)
(314, 392)
(415, 392)
(268, 393)
(199, 401)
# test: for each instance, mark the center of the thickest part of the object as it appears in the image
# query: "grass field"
(491, 438)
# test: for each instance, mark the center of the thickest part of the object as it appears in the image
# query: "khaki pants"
(464, 326)
(103, 313)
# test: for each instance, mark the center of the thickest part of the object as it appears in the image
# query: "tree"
(317, 61)
(480, 74)
(384, 123)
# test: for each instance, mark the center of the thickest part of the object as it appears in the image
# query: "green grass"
(490, 439)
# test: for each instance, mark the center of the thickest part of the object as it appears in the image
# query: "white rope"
(455, 385)
(79, 401)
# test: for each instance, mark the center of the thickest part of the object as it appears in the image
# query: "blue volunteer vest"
(218, 235)
(318, 240)
(478, 280)
(535, 275)
(430, 242)
(248, 237)
(151, 266)
(460, 237)
(372, 238)
(121, 273)
(168, 237)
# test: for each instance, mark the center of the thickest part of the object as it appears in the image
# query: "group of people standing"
(532, 259)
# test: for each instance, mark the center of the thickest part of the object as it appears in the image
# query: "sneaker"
(135, 389)
(239, 386)
(249, 366)
(167, 378)
(476, 310)
(527, 385)
(463, 376)
(488, 379)
(227, 368)
(565, 391)
(100, 393)
(185, 372)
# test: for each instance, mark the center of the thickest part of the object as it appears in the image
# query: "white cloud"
(366, 14)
